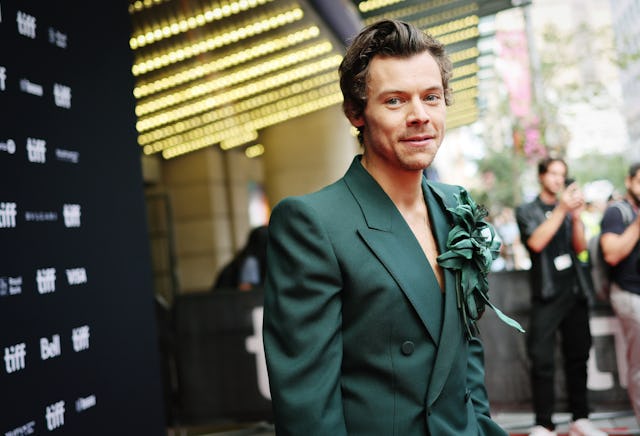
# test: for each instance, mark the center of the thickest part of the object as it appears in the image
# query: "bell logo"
(49, 349)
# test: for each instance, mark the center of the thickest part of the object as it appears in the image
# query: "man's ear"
(351, 113)
(356, 121)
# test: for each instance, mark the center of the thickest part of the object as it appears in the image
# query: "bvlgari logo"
(15, 357)
(46, 280)
(37, 150)
(8, 212)
(85, 403)
(76, 276)
(80, 338)
(67, 155)
(71, 214)
(62, 95)
(41, 216)
(26, 24)
(54, 415)
(50, 348)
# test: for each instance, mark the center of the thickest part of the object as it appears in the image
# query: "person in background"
(551, 229)
(362, 332)
(620, 243)
(248, 267)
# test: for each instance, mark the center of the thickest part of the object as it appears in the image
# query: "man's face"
(633, 187)
(553, 180)
(404, 118)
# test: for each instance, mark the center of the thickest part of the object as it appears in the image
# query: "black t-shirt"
(626, 273)
(559, 245)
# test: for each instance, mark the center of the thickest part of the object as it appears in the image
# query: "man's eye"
(393, 101)
(432, 97)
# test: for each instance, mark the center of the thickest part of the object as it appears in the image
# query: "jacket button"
(407, 348)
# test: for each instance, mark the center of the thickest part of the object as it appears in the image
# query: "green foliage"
(598, 166)
(501, 172)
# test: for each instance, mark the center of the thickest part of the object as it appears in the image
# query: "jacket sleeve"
(476, 386)
(302, 323)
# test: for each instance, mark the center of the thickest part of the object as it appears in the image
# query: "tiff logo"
(54, 414)
(49, 349)
(36, 150)
(3, 78)
(62, 96)
(14, 357)
(8, 212)
(76, 276)
(46, 280)
(71, 214)
(80, 338)
(26, 24)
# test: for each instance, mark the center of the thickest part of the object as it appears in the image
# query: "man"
(553, 233)
(621, 249)
(362, 332)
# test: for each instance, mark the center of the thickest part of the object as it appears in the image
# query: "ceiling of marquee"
(213, 73)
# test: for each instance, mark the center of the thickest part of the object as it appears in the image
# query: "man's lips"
(418, 138)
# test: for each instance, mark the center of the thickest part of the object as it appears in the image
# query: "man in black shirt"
(551, 229)
(620, 230)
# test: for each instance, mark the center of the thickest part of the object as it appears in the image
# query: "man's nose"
(418, 113)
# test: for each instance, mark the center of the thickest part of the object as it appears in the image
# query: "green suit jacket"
(359, 338)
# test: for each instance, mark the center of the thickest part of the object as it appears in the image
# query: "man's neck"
(547, 197)
(404, 188)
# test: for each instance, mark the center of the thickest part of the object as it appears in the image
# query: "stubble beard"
(634, 198)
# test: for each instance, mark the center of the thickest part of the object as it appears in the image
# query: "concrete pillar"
(209, 195)
(306, 153)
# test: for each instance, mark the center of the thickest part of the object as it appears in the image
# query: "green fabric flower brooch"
(472, 246)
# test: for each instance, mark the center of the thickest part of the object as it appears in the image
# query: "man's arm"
(476, 384)
(570, 202)
(616, 247)
(302, 324)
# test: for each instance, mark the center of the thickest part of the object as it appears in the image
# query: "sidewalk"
(616, 423)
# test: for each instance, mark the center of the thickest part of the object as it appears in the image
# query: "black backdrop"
(72, 213)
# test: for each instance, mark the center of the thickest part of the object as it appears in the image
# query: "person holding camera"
(551, 229)
(620, 243)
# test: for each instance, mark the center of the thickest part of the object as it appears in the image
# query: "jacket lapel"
(451, 325)
(393, 243)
